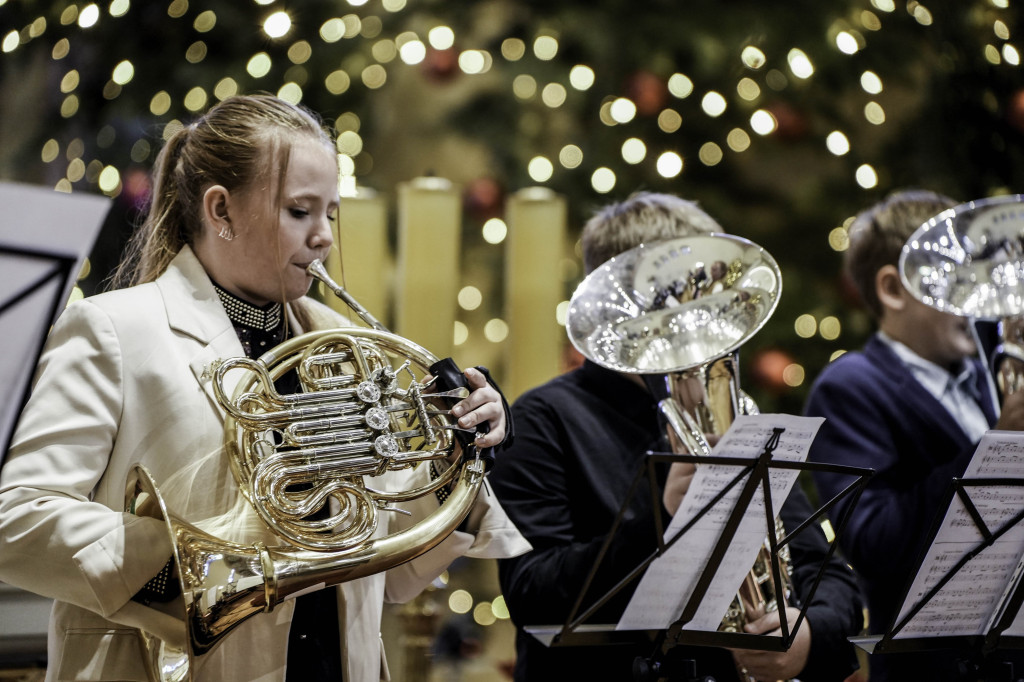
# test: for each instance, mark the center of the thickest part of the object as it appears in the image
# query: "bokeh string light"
(412, 48)
(590, 115)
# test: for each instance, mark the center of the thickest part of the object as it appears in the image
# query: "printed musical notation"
(973, 599)
(666, 587)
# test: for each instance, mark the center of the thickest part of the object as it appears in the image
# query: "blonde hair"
(236, 143)
(643, 217)
(878, 233)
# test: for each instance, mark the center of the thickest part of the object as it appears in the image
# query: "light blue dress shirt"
(956, 392)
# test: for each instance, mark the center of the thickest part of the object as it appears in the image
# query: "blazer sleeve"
(836, 609)
(535, 482)
(487, 534)
(54, 540)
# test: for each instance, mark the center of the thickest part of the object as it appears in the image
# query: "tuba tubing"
(225, 583)
(687, 424)
(1007, 364)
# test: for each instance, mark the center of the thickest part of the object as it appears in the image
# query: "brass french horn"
(295, 454)
(969, 261)
(682, 308)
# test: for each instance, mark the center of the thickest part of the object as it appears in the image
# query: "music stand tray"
(576, 631)
(984, 639)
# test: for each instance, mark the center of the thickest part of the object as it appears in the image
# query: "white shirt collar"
(933, 377)
(958, 394)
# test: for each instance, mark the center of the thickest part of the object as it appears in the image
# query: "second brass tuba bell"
(366, 406)
(969, 261)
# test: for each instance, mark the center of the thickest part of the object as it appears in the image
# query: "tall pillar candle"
(534, 249)
(429, 232)
(361, 261)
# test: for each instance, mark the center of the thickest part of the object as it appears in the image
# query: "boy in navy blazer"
(912, 405)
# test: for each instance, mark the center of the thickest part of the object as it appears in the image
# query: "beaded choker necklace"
(258, 328)
(265, 318)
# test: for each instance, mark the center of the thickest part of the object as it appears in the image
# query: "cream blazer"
(125, 378)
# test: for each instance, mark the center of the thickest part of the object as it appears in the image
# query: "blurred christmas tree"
(782, 119)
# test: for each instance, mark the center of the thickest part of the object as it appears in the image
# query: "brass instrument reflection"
(681, 309)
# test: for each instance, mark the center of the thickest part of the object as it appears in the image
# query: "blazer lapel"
(204, 365)
(985, 387)
(914, 397)
(194, 309)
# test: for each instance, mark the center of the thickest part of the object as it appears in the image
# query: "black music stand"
(577, 632)
(978, 648)
(44, 238)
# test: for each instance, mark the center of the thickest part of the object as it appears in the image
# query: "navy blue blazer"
(879, 417)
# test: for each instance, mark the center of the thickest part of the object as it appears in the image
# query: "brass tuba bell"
(366, 407)
(682, 308)
(969, 261)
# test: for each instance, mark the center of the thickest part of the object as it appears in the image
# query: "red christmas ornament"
(768, 367)
(791, 123)
(648, 92)
(848, 291)
(440, 65)
(135, 188)
(483, 199)
(1015, 110)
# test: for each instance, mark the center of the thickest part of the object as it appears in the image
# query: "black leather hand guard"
(449, 376)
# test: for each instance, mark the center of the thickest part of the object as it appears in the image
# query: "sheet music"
(670, 579)
(22, 329)
(969, 603)
(56, 226)
(1016, 628)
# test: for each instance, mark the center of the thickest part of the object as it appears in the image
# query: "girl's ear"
(889, 288)
(215, 209)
